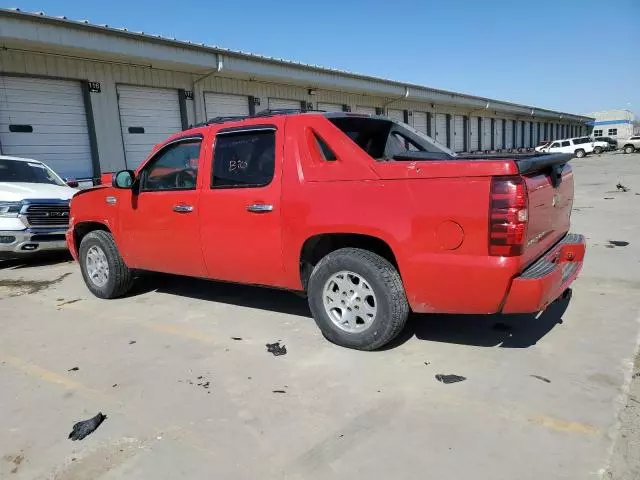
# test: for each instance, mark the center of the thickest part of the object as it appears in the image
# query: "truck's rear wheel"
(629, 149)
(103, 269)
(357, 299)
(580, 153)
(597, 150)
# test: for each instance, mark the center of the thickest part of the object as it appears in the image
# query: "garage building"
(89, 98)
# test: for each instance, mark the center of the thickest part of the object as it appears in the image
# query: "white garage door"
(527, 134)
(366, 110)
(396, 114)
(518, 134)
(509, 134)
(498, 133)
(486, 133)
(441, 128)
(278, 104)
(474, 137)
(458, 133)
(223, 105)
(419, 120)
(329, 107)
(46, 120)
(147, 117)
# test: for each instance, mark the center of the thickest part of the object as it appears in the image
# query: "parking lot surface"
(181, 370)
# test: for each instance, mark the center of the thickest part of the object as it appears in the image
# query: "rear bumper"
(544, 281)
(31, 240)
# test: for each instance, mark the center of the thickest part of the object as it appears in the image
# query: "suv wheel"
(629, 149)
(103, 269)
(597, 150)
(580, 153)
(357, 299)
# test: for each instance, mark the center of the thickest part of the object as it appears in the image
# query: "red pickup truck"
(369, 217)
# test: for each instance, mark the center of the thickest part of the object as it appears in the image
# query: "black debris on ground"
(450, 378)
(276, 349)
(608, 198)
(501, 327)
(618, 243)
(622, 188)
(609, 246)
(73, 369)
(427, 363)
(131, 342)
(237, 339)
(201, 381)
(278, 391)
(341, 435)
(86, 427)
(544, 379)
(114, 385)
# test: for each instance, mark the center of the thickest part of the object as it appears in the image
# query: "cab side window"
(175, 167)
(566, 143)
(244, 158)
(555, 145)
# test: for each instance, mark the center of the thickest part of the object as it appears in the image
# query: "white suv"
(579, 146)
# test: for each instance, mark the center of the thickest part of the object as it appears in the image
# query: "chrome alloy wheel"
(97, 266)
(349, 301)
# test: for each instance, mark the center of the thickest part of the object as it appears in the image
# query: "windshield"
(27, 172)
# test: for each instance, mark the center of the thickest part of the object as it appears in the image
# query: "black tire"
(597, 150)
(384, 280)
(119, 278)
(580, 153)
(629, 149)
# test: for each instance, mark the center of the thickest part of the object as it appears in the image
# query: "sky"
(576, 56)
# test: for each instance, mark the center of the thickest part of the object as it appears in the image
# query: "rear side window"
(324, 149)
(244, 159)
(579, 141)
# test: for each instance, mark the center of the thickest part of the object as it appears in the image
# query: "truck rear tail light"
(508, 216)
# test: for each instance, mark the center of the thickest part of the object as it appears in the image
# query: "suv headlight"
(10, 209)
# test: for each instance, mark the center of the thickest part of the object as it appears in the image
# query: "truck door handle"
(260, 208)
(182, 208)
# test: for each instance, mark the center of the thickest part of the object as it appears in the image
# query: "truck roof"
(282, 111)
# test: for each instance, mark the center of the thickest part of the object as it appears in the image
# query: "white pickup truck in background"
(34, 207)
(579, 146)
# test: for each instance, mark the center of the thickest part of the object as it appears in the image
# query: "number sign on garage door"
(329, 107)
(147, 117)
(223, 105)
(46, 120)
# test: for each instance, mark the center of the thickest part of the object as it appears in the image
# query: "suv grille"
(48, 215)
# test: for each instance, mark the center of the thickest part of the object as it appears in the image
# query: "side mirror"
(123, 179)
(71, 182)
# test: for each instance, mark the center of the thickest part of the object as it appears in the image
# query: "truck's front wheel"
(629, 149)
(357, 299)
(103, 269)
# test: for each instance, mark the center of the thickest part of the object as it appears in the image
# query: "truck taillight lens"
(508, 216)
